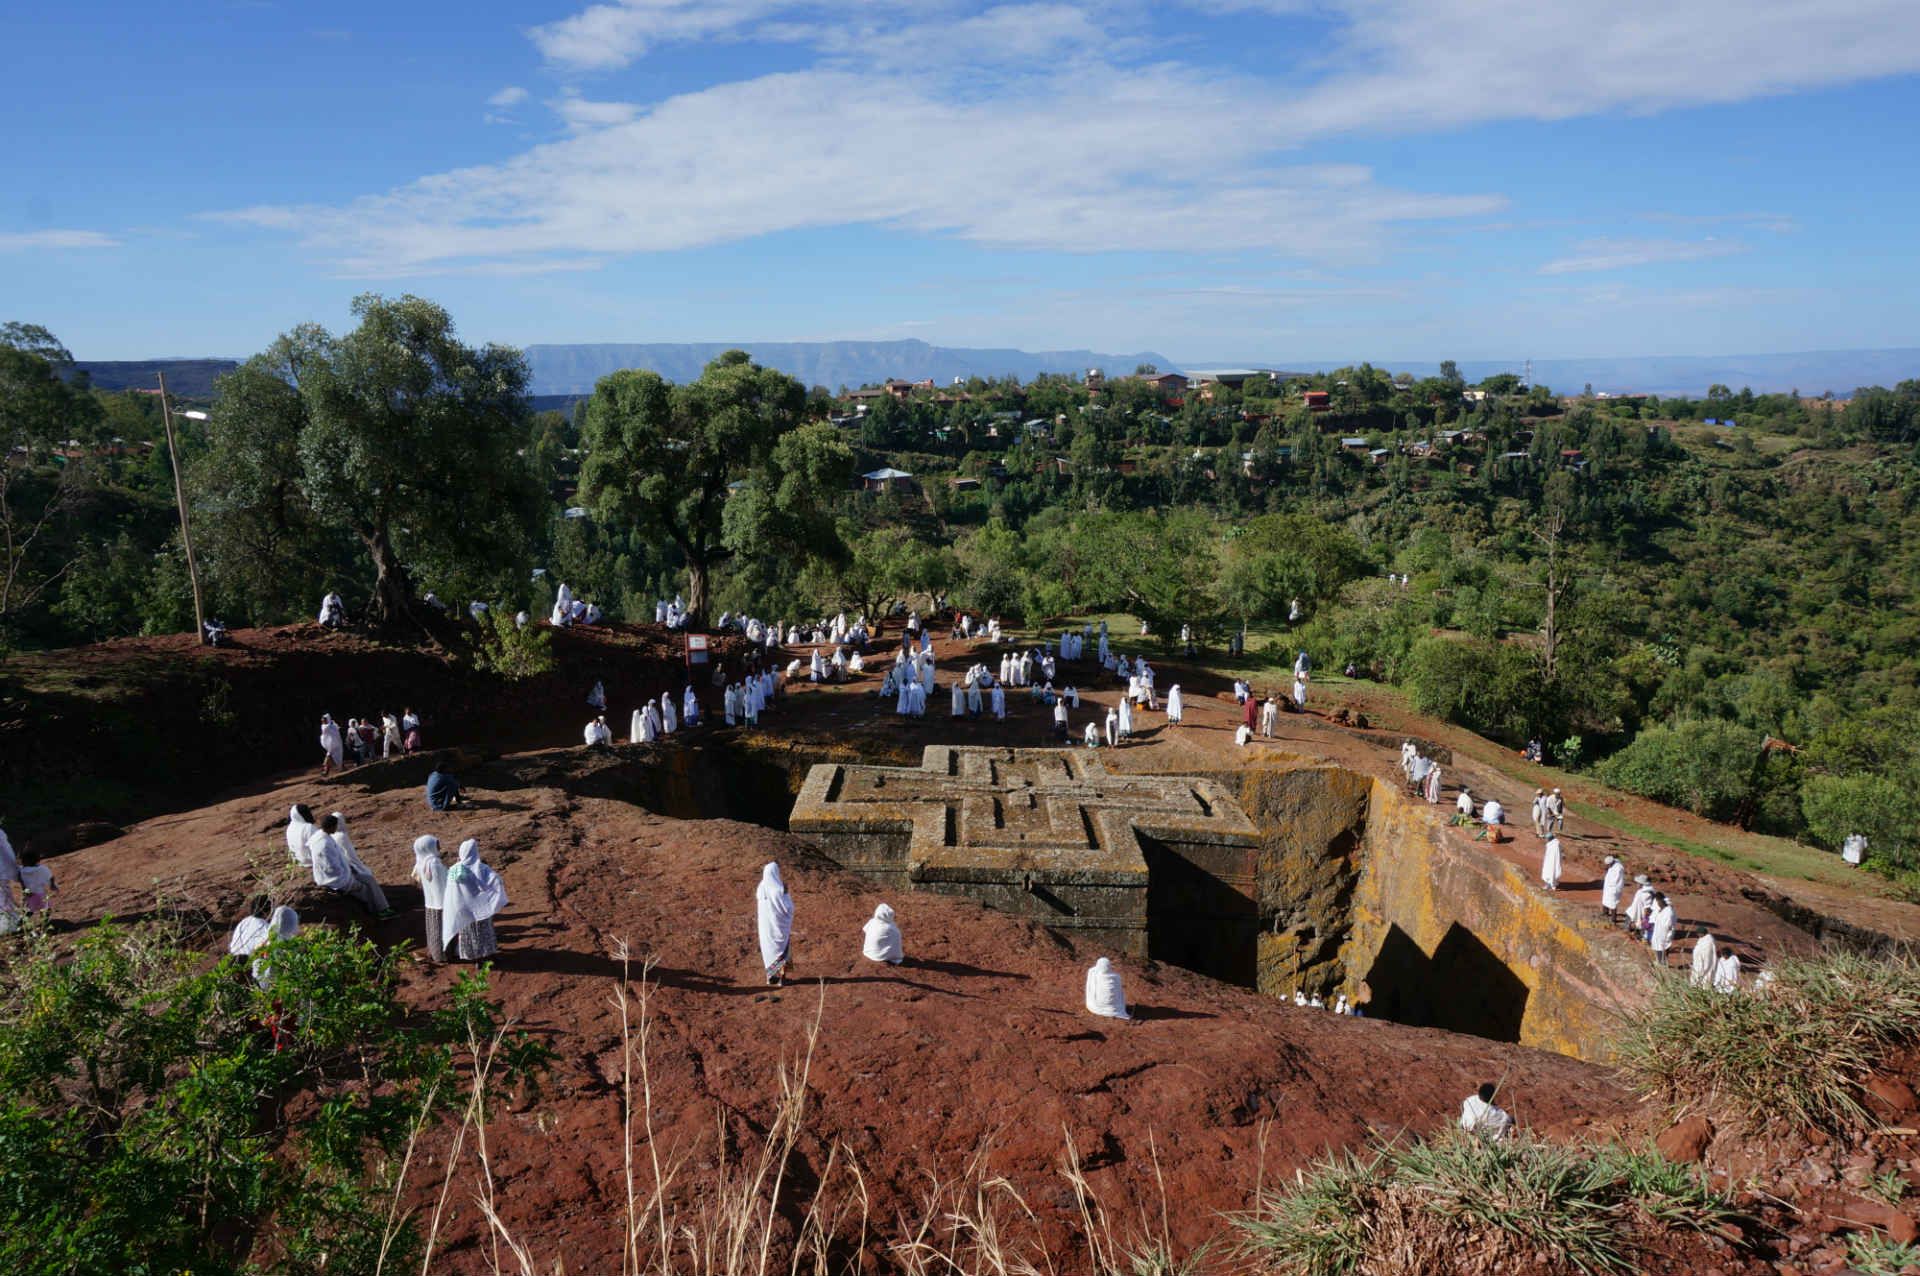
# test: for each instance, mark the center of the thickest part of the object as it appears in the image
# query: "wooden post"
(180, 499)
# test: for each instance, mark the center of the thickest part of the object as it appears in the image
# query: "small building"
(1169, 383)
(1353, 442)
(885, 479)
(1316, 400)
(964, 484)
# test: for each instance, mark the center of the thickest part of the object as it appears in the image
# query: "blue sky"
(1259, 180)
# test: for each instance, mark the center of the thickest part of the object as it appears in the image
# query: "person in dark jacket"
(443, 791)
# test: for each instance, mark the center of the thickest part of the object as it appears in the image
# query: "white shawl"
(1104, 994)
(428, 870)
(1706, 958)
(882, 942)
(298, 831)
(775, 909)
(247, 936)
(473, 893)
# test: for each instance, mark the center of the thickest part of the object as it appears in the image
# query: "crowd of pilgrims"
(462, 898)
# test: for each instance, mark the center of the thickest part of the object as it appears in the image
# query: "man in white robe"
(1661, 936)
(1269, 717)
(880, 938)
(1612, 883)
(1639, 906)
(1726, 973)
(299, 832)
(1113, 727)
(773, 907)
(1478, 1115)
(1854, 849)
(1539, 812)
(1126, 719)
(1556, 812)
(337, 867)
(1550, 864)
(974, 702)
(669, 717)
(1706, 959)
(598, 732)
(1176, 706)
(1105, 995)
(1433, 783)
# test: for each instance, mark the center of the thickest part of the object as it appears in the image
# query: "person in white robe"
(1301, 665)
(1433, 784)
(669, 717)
(856, 663)
(1269, 717)
(1550, 864)
(1463, 805)
(283, 925)
(1539, 812)
(252, 930)
(959, 698)
(1300, 691)
(472, 897)
(1478, 1115)
(1105, 995)
(926, 674)
(917, 700)
(1176, 705)
(1639, 906)
(432, 876)
(1113, 727)
(1092, 735)
(1493, 815)
(1660, 938)
(880, 939)
(1060, 727)
(1126, 719)
(1299, 998)
(689, 707)
(333, 749)
(1854, 850)
(774, 907)
(598, 732)
(1612, 883)
(637, 727)
(974, 702)
(337, 866)
(1706, 958)
(333, 612)
(391, 741)
(729, 703)
(1243, 735)
(1726, 973)
(299, 831)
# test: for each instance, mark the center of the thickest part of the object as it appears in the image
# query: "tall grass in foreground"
(1457, 1205)
(745, 1216)
(1791, 1055)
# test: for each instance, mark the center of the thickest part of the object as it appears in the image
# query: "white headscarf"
(298, 831)
(882, 938)
(345, 839)
(284, 924)
(1104, 994)
(428, 870)
(775, 908)
(473, 893)
(331, 867)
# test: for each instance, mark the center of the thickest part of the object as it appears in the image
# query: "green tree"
(396, 434)
(660, 456)
(1885, 812)
(1704, 765)
(40, 477)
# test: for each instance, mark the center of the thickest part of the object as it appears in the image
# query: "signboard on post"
(696, 650)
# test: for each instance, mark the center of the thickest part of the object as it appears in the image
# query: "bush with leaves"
(513, 653)
(166, 1115)
(1707, 766)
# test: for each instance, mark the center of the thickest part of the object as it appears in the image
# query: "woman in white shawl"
(999, 701)
(1706, 960)
(252, 930)
(1176, 705)
(284, 924)
(299, 832)
(1660, 937)
(1726, 973)
(1105, 997)
(473, 894)
(958, 695)
(637, 727)
(1126, 718)
(689, 707)
(775, 909)
(391, 741)
(882, 938)
(432, 876)
(1550, 864)
(332, 748)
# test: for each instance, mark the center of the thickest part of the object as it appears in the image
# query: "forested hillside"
(1719, 617)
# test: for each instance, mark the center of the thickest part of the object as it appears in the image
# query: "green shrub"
(1706, 766)
(1493, 688)
(1461, 1204)
(1793, 1055)
(161, 1113)
(1885, 811)
(513, 653)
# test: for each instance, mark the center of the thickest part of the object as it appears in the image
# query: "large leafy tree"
(661, 457)
(397, 435)
(40, 475)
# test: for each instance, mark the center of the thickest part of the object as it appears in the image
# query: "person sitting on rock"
(598, 733)
(337, 866)
(443, 791)
(252, 930)
(881, 941)
(1479, 1116)
(1105, 996)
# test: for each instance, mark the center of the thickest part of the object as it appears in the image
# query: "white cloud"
(512, 95)
(1070, 126)
(27, 240)
(1619, 254)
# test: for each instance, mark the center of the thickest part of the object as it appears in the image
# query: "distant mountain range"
(574, 369)
(562, 373)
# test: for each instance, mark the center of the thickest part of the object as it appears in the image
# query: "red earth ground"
(977, 1046)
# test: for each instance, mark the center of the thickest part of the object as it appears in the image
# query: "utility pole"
(180, 499)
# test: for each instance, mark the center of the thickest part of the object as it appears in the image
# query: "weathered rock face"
(1295, 877)
(1050, 835)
